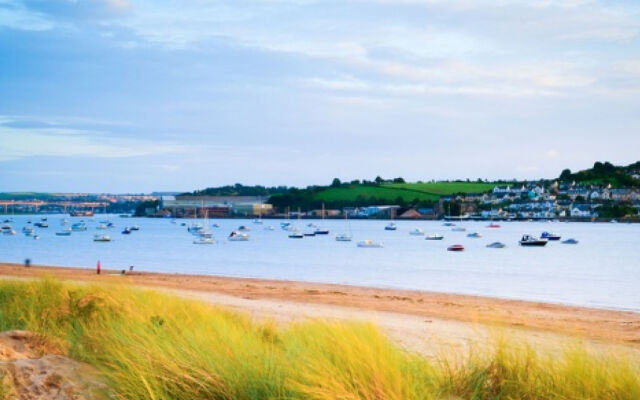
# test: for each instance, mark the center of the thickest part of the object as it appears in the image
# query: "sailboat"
(322, 230)
(391, 226)
(259, 219)
(204, 235)
(346, 236)
(295, 231)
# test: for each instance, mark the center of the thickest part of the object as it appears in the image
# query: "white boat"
(390, 227)
(296, 234)
(416, 232)
(101, 238)
(243, 228)
(269, 228)
(64, 232)
(370, 244)
(321, 230)
(238, 237)
(346, 236)
(203, 240)
(458, 229)
(101, 226)
(257, 221)
(434, 236)
(343, 237)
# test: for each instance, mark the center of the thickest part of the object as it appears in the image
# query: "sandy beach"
(420, 321)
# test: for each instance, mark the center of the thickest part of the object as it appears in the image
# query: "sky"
(149, 95)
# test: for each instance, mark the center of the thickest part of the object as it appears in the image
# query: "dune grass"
(153, 346)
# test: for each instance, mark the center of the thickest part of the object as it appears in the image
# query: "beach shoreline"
(597, 324)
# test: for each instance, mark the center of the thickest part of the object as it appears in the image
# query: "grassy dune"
(152, 346)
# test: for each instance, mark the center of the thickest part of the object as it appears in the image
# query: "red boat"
(492, 225)
(456, 247)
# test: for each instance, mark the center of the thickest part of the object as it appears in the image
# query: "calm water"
(603, 270)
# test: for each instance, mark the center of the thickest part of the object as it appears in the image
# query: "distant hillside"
(238, 190)
(605, 173)
(367, 193)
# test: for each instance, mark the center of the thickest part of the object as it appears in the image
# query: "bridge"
(65, 205)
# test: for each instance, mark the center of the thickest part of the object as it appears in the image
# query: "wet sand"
(595, 324)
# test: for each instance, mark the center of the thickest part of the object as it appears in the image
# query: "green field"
(445, 188)
(149, 346)
(382, 193)
(388, 193)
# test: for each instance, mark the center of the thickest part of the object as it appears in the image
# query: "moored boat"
(370, 244)
(570, 241)
(101, 238)
(549, 236)
(496, 245)
(416, 232)
(493, 225)
(203, 240)
(296, 234)
(458, 229)
(391, 226)
(126, 231)
(434, 236)
(474, 235)
(343, 237)
(532, 241)
(238, 237)
(455, 247)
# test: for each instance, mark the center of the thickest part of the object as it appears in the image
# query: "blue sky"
(142, 95)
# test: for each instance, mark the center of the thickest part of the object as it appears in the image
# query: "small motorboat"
(9, 232)
(493, 225)
(216, 225)
(434, 236)
(203, 240)
(36, 237)
(570, 241)
(295, 234)
(370, 244)
(549, 236)
(455, 247)
(416, 232)
(101, 227)
(183, 224)
(448, 224)
(42, 224)
(79, 227)
(269, 228)
(474, 235)
(101, 238)
(110, 225)
(321, 231)
(285, 225)
(343, 237)
(391, 226)
(312, 225)
(134, 228)
(528, 240)
(126, 231)
(309, 233)
(64, 232)
(243, 228)
(257, 221)
(496, 245)
(238, 237)
(459, 229)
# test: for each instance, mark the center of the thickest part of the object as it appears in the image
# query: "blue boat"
(570, 241)
(549, 236)
(126, 231)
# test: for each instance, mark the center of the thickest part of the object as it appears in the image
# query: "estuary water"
(602, 271)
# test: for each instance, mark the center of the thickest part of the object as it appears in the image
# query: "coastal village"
(528, 200)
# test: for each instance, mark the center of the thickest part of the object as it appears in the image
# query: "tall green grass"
(152, 346)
